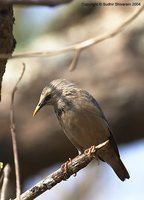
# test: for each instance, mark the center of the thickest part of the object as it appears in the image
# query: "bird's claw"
(64, 169)
(89, 152)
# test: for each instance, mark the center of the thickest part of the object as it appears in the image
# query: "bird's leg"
(64, 168)
(89, 152)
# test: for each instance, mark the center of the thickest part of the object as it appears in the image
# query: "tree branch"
(73, 166)
(7, 41)
(35, 2)
(6, 172)
(13, 135)
(77, 48)
(74, 60)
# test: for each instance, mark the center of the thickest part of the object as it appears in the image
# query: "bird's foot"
(64, 169)
(90, 152)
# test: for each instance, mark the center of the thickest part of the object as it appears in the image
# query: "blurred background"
(112, 71)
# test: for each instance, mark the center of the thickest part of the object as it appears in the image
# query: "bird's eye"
(47, 98)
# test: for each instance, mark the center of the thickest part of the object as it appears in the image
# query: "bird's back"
(85, 125)
(82, 120)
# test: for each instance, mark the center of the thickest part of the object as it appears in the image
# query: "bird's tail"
(119, 168)
(109, 155)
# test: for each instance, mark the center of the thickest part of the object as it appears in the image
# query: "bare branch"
(75, 60)
(6, 172)
(85, 44)
(50, 181)
(35, 2)
(13, 135)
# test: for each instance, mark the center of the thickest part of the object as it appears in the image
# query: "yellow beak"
(36, 110)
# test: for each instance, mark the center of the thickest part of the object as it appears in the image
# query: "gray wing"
(104, 118)
(83, 121)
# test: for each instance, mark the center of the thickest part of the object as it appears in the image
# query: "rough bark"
(7, 41)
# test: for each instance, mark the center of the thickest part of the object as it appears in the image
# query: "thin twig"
(6, 172)
(73, 166)
(13, 135)
(74, 60)
(84, 44)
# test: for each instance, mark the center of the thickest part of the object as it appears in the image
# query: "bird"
(83, 121)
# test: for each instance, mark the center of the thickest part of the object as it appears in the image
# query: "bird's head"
(45, 99)
(57, 89)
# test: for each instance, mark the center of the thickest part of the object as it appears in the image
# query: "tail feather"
(109, 155)
(119, 168)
